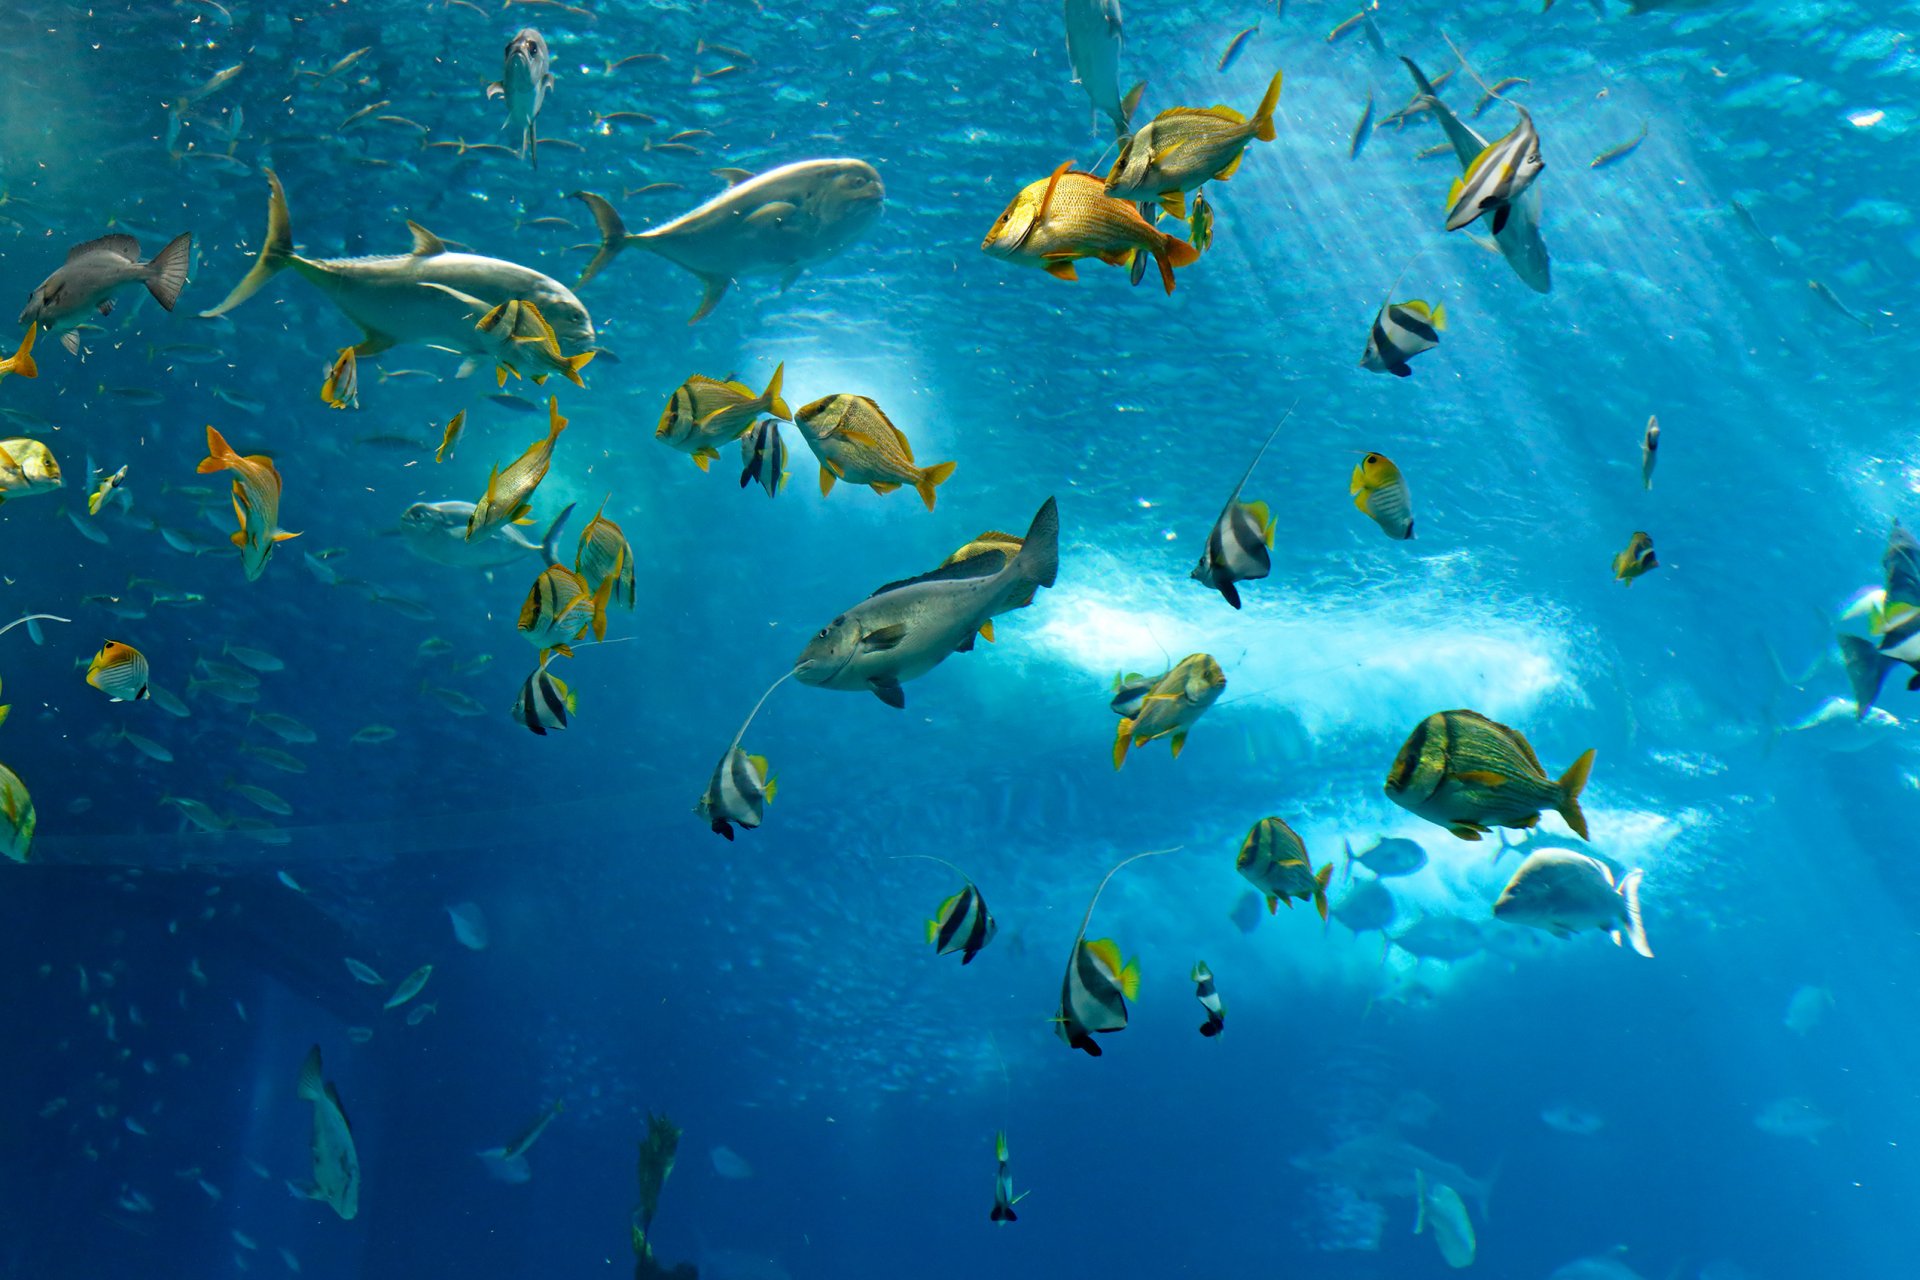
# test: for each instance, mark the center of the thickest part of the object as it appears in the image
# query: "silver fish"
(437, 531)
(91, 274)
(1564, 892)
(524, 84)
(336, 1165)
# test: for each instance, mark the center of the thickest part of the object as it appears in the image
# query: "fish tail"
(167, 272)
(600, 598)
(1636, 932)
(1171, 253)
(555, 423)
(574, 364)
(1320, 890)
(311, 1087)
(1263, 115)
(778, 407)
(930, 479)
(1122, 739)
(1572, 783)
(613, 233)
(275, 252)
(220, 454)
(1038, 561)
(21, 361)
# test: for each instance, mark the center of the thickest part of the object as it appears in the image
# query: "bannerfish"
(856, 442)
(1003, 1197)
(1130, 690)
(1636, 560)
(524, 83)
(93, 271)
(27, 467)
(437, 532)
(1097, 985)
(763, 457)
(741, 786)
(1496, 178)
(1273, 859)
(1380, 492)
(1067, 216)
(704, 413)
(1094, 39)
(506, 499)
(545, 702)
(962, 923)
(1469, 774)
(778, 223)
(119, 671)
(1170, 710)
(336, 1165)
(256, 501)
(383, 296)
(1239, 544)
(907, 628)
(1401, 331)
(1209, 997)
(1564, 892)
(1183, 147)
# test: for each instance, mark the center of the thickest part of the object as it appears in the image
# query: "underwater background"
(1742, 1105)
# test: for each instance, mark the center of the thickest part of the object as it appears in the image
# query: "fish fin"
(1500, 216)
(220, 454)
(311, 1086)
(1062, 269)
(826, 479)
(930, 479)
(495, 89)
(1485, 777)
(21, 361)
(613, 234)
(1320, 890)
(703, 458)
(1230, 593)
(1053, 180)
(771, 396)
(1221, 111)
(1173, 253)
(1263, 114)
(1175, 203)
(276, 251)
(1467, 830)
(1273, 904)
(167, 273)
(933, 930)
(600, 599)
(1122, 739)
(1419, 1201)
(1130, 104)
(733, 177)
(1453, 192)
(986, 631)
(770, 214)
(716, 289)
(425, 243)
(884, 638)
(889, 692)
(1179, 742)
(966, 645)
(1440, 322)
(1572, 783)
(1231, 165)
(1636, 931)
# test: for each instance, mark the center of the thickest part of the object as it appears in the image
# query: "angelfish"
(1097, 986)
(1210, 1000)
(740, 789)
(1237, 545)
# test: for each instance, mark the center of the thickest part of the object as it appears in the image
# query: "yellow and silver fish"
(119, 671)
(705, 413)
(605, 555)
(1067, 216)
(1636, 560)
(519, 341)
(1183, 147)
(342, 387)
(561, 608)
(763, 455)
(1274, 860)
(856, 442)
(505, 501)
(1380, 491)
(1178, 699)
(104, 490)
(1496, 178)
(451, 436)
(1469, 774)
(256, 501)
(27, 467)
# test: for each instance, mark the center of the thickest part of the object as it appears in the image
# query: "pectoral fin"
(889, 692)
(1483, 777)
(883, 639)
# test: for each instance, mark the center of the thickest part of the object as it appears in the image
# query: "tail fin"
(1121, 741)
(1263, 116)
(21, 361)
(1346, 871)
(613, 234)
(1038, 563)
(311, 1087)
(930, 479)
(220, 454)
(1636, 932)
(1003, 1214)
(1123, 123)
(275, 253)
(1171, 253)
(167, 272)
(552, 538)
(1572, 783)
(1320, 890)
(771, 396)
(1866, 668)
(600, 598)
(572, 365)
(555, 423)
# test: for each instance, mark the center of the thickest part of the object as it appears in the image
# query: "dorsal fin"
(425, 243)
(120, 245)
(1052, 181)
(959, 570)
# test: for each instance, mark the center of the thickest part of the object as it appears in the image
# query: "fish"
(146, 747)
(1636, 560)
(17, 816)
(198, 814)
(741, 786)
(119, 671)
(1649, 451)
(1441, 1205)
(1469, 774)
(1496, 178)
(1893, 621)
(1362, 131)
(505, 501)
(729, 1164)
(1097, 985)
(363, 972)
(1613, 155)
(989, 553)
(261, 798)
(274, 758)
(1199, 231)
(777, 223)
(1832, 299)
(1238, 547)
(1210, 1001)
(962, 923)
(1235, 47)
(27, 467)
(1806, 1008)
(336, 1165)
(256, 501)
(284, 727)
(1380, 492)
(1401, 331)
(763, 457)
(524, 83)
(102, 491)
(545, 702)
(1178, 699)
(1366, 907)
(454, 700)
(382, 294)
(704, 413)
(1067, 216)
(1576, 1121)
(518, 340)
(560, 609)
(1094, 39)
(1563, 892)
(1792, 1118)
(1183, 147)
(410, 986)
(1274, 860)
(1389, 856)
(855, 441)
(1003, 1198)
(469, 925)
(1519, 241)
(342, 387)
(1382, 1165)
(94, 272)
(605, 556)
(907, 628)
(21, 362)
(509, 1163)
(437, 532)
(451, 436)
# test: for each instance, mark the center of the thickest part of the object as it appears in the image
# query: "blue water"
(774, 996)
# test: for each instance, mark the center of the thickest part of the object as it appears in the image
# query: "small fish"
(1274, 860)
(373, 734)
(455, 701)
(1401, 331)
(1362, 131)
(1176, 702)
(560, 609)
(1097, 985)
(17, 816)
(1649, 451)
(1469, 774)
(119, 671)
(1183, 147)
(1636, 560)
(1625, 149)
(1563, 892)
(1496, 178)
(1441, 1206)
(509, 1163)
(286, 878)
(201, 815)
(1003, 1197)
(420, 1013)
(741, 786)
(1209, 997)
(1389, 856)
(1238, 547)
(450, 437)
(605, 556)
(763, 454)
(147, 747)
(256, 501)
(334, 70)
(363, 972)
(855, 441)
(1828, 296)
(962, 923)
(284, 727)
(505, 501)
(342, 387)
(1236, 47)
(1199, 228)
(1380, 492)
(410, 986)
(469, 925)
(545, 702)
(360, 1035)
(275, 758)
(704, 413)
(261, 798)
(92, 273)
(519, 341)
(336, 1165)
(1068, 215)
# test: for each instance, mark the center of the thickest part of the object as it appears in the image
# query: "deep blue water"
(774, 996)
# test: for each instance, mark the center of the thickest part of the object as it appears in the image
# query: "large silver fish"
(383, 295)
(524, 84)
(93, 271)
(1094, 37)
(778, 223)
(1563, 892)
(437, 531)
(336, 1165)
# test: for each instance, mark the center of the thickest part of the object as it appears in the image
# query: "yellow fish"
(119, 671)
(521, 342)
(1170, 708)
(561, 608)
(1183, 147)
(1469, 774)
(256, 501)
(856, 442)
(1069, 215)
(1274, 860)
(704, 413)
(606, 556)
(505, 501)
(1380, 492)
(450, 437)
(342, 387)
(1636, 560)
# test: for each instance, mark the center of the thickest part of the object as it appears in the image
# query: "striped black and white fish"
(962, 924)
(1003, 1197)
(1496, 177)
(1210, 1000)
(1401, 331)
(737, 794)
(1094, 994)
(545, 702)
(764, 453)
(1238, 545)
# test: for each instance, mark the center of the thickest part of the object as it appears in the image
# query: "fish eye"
(1372, 459)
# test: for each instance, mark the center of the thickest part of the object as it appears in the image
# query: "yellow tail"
(1121, 741)
(21, 361)
(574, 364)
(220, 454)
(1572, 783)
(1263, 116)
(930, 479)
(775, 405)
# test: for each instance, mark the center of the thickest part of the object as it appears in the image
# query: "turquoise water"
(1737, 1106)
